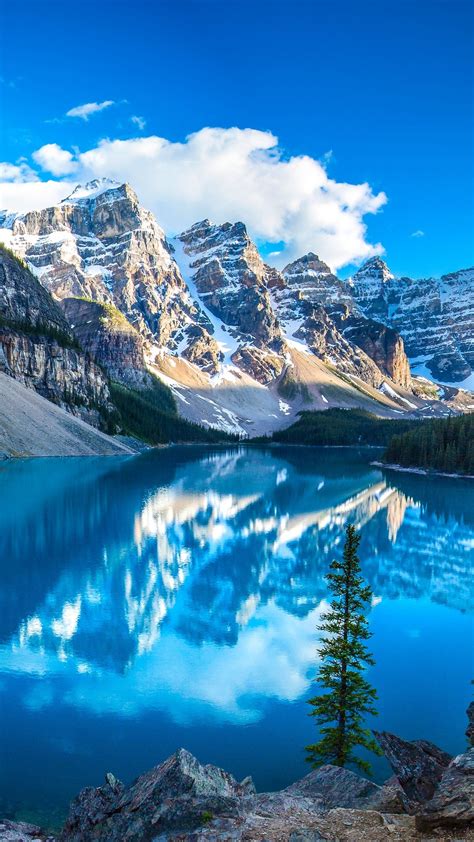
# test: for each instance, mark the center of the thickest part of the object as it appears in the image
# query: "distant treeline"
(342, 427)
(151, 415)
(443, 445)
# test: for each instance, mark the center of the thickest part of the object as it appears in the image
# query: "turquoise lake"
(172, 599)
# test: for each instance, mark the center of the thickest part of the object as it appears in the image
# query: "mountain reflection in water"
(188, 582)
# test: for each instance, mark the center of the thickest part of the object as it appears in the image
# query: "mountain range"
(100, 297)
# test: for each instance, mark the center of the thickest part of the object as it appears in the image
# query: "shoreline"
(426, 472)
(147, 448)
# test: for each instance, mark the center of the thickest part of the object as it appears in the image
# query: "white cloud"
(418, 234)
(234, 174)
(19, 172)
(32, 195)
(55, 160)
(84, 111)
(138, 121)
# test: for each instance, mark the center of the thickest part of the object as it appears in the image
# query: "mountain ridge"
(220, 326)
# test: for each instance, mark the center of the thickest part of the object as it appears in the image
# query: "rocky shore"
(430, 796)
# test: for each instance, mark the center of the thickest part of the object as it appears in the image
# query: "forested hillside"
(342, 427)
(441, 445)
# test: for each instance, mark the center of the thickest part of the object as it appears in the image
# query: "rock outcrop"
(342, 788)
(310, 278)
(37, 346)
(109, 338)
(452, 805)
(418, 765)
(381, 343)
(182, 800)
(23, 832)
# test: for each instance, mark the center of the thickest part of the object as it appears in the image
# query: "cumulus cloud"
(21, 195)
(55, 160)
(18, 173)
(238, 174)
(418, 234)
(138, 121)
(84, 111)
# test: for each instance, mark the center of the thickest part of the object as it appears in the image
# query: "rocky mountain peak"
(310, 278)
(375, 268)
(93, 189)
(308, 263)
(223, 264)
(227, 241)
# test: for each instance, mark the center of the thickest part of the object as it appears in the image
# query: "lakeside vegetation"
(342, 427)
(151, 415)
(445, 445)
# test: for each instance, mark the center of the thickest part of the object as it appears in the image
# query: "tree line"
(442, 445)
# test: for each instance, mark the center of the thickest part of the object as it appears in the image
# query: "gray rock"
(179, 795)
(470, 727)
(452, 805)
(342, 788)
(110, 339)
(418, 766)
(432, 750)
(433, 315)
(22, 832)
(37, 346)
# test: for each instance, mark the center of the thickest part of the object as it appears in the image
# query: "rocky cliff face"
(313, 280)
(38, 349)
(225, 271)
(325, 315)
(231, 280)
(433, 315)
(104, 332)
(381, 343)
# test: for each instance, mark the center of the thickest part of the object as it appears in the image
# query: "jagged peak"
(93, 189)
(374, 266)
(308, 262)
(220, 232)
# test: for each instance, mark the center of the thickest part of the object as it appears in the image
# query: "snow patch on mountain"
(91, 190)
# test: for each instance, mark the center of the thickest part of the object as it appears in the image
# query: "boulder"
(180, 794)
(22, 832)
(339, 787)
(452, 805)
(418, 765)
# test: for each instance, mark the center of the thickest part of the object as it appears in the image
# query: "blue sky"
(386, 86)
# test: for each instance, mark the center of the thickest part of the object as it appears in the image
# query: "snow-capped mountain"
(242, 345)
(99, 243)
(435, 317)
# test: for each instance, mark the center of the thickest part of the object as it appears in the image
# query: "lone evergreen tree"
(349, 696)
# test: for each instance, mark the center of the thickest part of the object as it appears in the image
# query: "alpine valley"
(98, 306)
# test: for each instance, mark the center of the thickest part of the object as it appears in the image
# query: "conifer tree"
(340, 711)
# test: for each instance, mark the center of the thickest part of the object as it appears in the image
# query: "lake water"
(172, 599)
